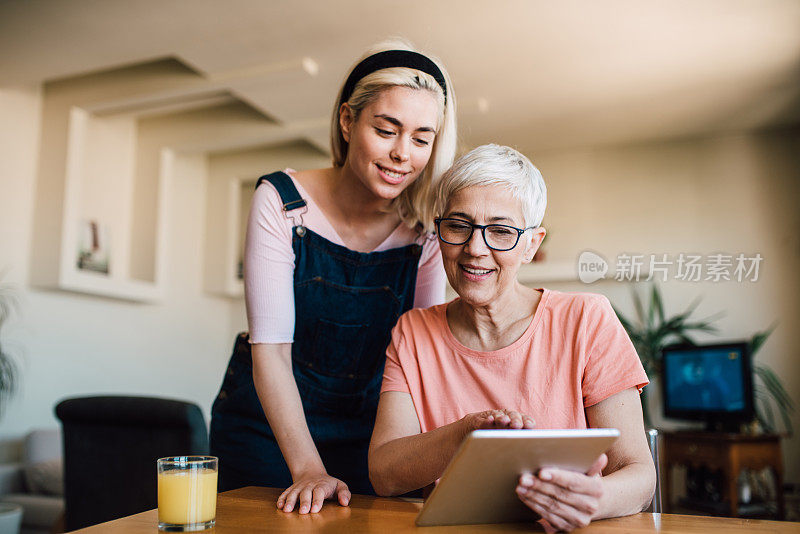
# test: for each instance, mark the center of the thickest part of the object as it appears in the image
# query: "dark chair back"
(111, 445)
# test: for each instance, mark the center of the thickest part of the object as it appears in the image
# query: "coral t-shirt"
(574, 354)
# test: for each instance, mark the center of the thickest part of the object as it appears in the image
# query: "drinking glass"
(187, 493)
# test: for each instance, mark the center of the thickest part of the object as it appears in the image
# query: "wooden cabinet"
(728, 453)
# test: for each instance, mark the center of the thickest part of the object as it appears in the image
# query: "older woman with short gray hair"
(503, 355)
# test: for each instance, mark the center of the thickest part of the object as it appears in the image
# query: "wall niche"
(107, 156)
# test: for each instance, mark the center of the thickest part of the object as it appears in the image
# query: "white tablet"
(479, 484)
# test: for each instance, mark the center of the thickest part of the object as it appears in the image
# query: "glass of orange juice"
(187, 493)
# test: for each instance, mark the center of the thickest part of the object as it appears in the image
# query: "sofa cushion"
(46, 478)
(42, 445)
(43, 469)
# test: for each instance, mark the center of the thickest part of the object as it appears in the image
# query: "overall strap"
(290, 197)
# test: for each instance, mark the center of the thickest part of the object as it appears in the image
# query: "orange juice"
(187, 496)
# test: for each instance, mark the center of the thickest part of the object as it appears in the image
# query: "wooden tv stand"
(729, 453)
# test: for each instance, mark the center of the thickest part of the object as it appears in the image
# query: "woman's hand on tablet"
(310, 492)
(566, 500)
(494, 419)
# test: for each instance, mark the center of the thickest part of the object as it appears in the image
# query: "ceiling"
(551, 74)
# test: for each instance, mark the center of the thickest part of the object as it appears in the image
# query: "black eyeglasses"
(498, 237)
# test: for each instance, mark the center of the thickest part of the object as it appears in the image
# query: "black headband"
(387, 60)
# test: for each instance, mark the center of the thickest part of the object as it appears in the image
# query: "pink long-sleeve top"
(269, 263)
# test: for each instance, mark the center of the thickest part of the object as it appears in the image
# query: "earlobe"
(535, 243)
(345, 121)
(530, 252)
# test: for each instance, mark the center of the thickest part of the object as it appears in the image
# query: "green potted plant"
(651, 331)
(8, 367)
(10, 514)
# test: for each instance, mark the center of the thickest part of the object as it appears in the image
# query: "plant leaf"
(651, 308)
(787, 422)
(701, 326)
(774, 386)
(762, 419)
(759, 338)
(769, 418)
(637, 304)
(659, 305)
(8, 367)
(626, 324)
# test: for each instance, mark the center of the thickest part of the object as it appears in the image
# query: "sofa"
(37, 483)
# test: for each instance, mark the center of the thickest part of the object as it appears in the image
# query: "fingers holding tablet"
(565, 499)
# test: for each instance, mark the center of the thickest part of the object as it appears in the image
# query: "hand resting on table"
(309, 492)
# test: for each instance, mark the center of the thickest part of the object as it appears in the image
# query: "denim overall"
(346, 304)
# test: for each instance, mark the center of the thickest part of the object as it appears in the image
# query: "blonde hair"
(415, 203)
(497, 165)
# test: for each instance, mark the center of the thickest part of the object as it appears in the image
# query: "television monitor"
(710, 383)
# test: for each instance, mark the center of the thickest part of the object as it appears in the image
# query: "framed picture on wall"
(93, 247)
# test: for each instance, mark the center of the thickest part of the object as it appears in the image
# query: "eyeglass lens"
(496, 236)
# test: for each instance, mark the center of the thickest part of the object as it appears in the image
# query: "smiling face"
(390, 142)
(482, 276)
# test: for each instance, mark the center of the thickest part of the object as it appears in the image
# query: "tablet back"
(479, 484)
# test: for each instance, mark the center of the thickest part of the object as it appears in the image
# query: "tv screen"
(705, 382)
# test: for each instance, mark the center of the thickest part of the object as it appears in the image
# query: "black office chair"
(110, 449)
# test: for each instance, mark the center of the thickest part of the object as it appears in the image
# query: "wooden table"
(253, 510)
(729, 453)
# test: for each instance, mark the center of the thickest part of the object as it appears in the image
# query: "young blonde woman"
(332, 258)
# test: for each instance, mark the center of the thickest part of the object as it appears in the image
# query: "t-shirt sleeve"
(394, 377)
(431, 278)
(612, 364)
(269, 269)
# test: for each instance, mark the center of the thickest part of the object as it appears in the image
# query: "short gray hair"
(497, 165)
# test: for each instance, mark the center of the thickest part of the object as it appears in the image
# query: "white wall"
(72, 344)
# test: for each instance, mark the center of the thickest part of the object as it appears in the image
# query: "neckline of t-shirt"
(505, 351)
(339, 241)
